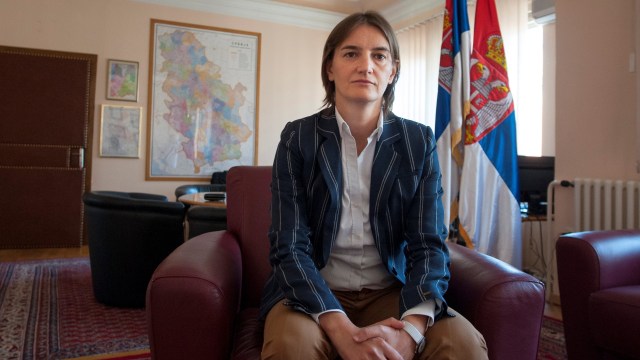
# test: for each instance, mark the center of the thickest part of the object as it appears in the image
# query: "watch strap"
(415, 335)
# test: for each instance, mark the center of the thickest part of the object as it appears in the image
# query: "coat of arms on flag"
(491, 100)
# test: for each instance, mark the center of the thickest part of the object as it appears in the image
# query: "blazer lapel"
(385, 165)
(330, 164)
(329, 155)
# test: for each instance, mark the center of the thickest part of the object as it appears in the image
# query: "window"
(529, 110)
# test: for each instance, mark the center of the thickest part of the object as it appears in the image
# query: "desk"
(527, 218)
(198, 199)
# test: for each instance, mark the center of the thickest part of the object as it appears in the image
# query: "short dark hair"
(340, 32)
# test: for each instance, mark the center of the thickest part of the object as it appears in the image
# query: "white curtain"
(417, 87)
(513, 16)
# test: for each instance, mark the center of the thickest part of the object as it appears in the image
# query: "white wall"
(595, 95)
(290, 85)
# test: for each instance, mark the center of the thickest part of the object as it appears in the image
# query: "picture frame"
(120, 131)
(202, 113)
(122, 80)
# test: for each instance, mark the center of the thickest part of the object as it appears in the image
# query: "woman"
(360, 264)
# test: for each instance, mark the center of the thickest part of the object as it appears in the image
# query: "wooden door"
(46, 118)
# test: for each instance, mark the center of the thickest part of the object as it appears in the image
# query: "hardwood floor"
(38, 254)
(551, 310)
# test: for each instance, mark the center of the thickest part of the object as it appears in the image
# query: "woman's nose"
(365, 65)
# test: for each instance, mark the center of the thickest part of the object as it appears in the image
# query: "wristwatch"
(415, 335)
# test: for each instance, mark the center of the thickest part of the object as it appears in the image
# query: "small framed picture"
(120, 131)
(122, 80)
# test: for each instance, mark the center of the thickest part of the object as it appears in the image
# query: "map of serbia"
(201, 107)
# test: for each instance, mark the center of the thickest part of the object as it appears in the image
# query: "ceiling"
(315, 14)
(344, 6)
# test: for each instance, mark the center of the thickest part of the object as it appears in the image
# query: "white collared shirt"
(354, 262)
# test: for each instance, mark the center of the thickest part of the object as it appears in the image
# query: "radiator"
(606, 204)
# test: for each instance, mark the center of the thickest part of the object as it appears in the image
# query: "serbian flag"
(452, 103)
(489, 204)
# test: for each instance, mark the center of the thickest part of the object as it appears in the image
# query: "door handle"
(75, 158)
(81, 158)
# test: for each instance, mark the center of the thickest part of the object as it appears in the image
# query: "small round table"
(198, 199)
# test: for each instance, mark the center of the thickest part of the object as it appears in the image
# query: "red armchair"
(202, 301)
(599, 282)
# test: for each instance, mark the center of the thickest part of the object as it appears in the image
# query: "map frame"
(115, 70)
(158, 108)
(117, 129)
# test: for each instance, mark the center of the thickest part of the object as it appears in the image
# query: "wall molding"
(260, 10)
(280, 13)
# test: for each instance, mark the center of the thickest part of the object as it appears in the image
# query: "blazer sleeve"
(291, 247)
(427, 256)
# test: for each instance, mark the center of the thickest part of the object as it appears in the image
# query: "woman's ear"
(329, 70)
(393, 72)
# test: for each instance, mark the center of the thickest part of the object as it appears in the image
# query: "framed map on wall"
(122, 80)
(120, 131)
(203, 100)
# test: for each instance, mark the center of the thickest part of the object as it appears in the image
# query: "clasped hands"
(382, 340)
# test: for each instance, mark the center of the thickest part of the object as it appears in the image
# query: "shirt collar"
(343, 126)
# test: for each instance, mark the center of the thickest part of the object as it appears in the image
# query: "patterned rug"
(48, 311)
(552, 346)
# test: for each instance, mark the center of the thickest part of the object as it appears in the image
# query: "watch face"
(420, 346)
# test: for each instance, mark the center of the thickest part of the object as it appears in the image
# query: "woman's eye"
(350, 54)
(380, 56)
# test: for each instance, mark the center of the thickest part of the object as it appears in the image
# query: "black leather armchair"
(129, 235)
(203, 219)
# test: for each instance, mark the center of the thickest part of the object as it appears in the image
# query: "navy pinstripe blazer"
(406, 212)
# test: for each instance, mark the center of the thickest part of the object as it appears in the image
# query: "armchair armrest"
(195, 289)
(600, 260)
(589, 262)
(505, 304)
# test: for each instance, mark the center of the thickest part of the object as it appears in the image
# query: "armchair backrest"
(129, 235)
(249, 218)
(219, 177)
(132, 204)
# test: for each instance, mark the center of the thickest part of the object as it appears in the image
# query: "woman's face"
(362, 67)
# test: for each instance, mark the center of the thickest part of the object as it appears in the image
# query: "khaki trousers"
(290, 334)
